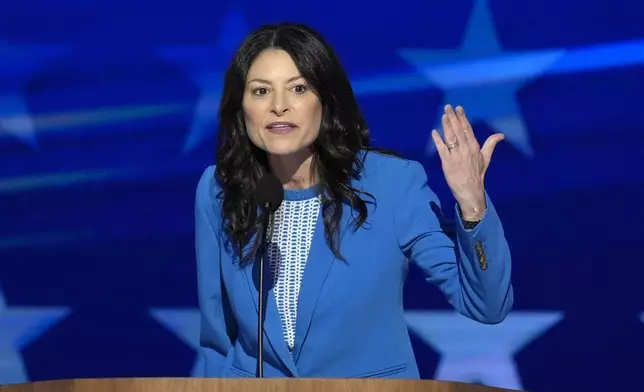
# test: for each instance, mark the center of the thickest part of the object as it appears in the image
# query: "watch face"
(471, 225)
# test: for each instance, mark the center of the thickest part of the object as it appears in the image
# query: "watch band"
(469, 225)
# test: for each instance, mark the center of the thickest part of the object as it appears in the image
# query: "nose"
(280, 104)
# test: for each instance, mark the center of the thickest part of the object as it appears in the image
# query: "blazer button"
(480, 254)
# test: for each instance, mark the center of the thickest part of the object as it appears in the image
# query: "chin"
(283, 149)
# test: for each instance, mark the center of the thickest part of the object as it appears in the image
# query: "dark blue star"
(18, 64)
(482, 78)
(205, 67)
(185, 324)
(20, 326)
(468, 347)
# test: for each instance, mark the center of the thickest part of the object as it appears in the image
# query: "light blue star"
(18, 64)
(185, 324)
(471, 351)
(483, 79)
(205, 66)
(19, 326)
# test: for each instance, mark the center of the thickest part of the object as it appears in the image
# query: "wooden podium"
(244, 385)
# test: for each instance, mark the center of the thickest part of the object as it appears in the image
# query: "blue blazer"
(350, 321)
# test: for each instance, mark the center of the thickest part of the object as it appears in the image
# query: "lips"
(281, 127)
(280, 124)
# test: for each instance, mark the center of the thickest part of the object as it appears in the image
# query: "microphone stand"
(260, 300)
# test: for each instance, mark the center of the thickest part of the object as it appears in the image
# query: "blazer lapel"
(317, 269)
(273, 330)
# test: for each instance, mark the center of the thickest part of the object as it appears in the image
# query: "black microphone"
(269, 195)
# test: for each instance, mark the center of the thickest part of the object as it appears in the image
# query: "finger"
(454, 123)
(489, 146)
(468, 131)
(440, 145)
(448, 132)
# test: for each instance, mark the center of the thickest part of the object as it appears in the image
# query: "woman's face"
(282, 113)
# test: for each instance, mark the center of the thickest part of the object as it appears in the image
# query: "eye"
(260, 91)
(300, 89)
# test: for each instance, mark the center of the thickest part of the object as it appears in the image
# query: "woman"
(351, 220)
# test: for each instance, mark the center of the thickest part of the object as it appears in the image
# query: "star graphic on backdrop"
(642, 317)
(204, 65)
(482, 78)
(471, 351)
(18, 64)
(19, 326)
(185, 324)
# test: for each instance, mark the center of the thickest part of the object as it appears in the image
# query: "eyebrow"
(294, 78)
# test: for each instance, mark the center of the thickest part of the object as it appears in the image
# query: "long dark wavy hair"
(337, 152)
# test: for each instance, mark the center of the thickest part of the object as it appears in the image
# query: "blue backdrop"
(107, 119)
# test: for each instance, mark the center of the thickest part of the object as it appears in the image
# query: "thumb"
(489, 146)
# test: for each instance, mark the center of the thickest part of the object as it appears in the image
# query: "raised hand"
(464, 162)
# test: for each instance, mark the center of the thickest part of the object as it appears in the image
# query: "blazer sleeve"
(218, 328)
(471, 267)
